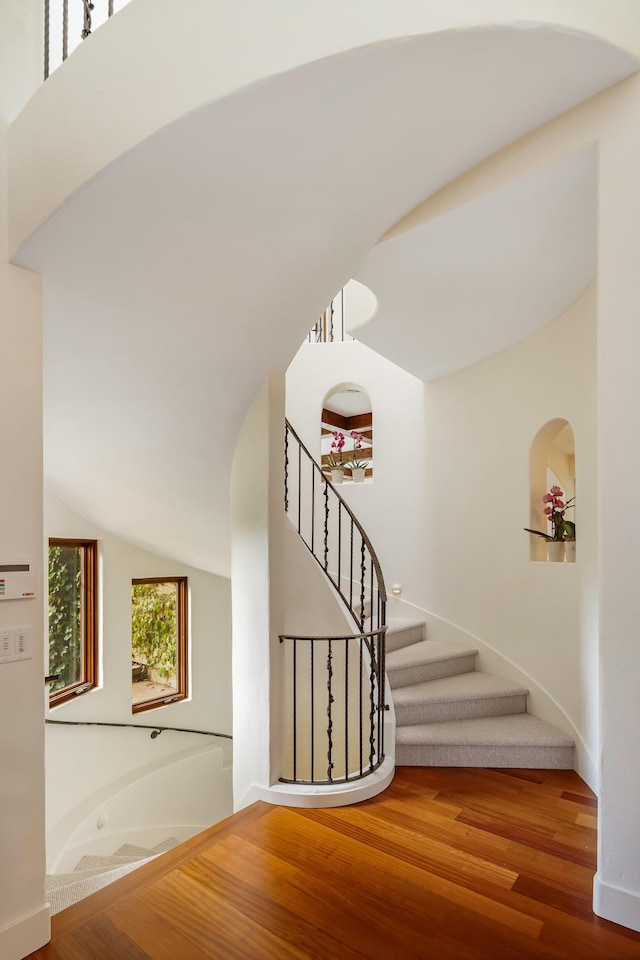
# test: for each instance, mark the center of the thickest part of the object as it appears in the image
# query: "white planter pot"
(337, 476)
(555, 551)
(570, 551)
(358, 474)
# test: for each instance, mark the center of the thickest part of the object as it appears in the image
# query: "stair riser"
(404, 638)
(444, 755)
(419, 673)
(416, 713)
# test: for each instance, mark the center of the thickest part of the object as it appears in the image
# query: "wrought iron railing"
(67, 22)
(340, 678)
(335, 695)
(329, 327)
(333, 534)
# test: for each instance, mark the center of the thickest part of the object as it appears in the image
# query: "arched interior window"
(347, 412)
(552, 462)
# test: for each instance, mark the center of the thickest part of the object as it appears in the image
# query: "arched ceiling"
(196, 263)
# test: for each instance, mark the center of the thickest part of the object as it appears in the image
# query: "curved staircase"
(448, 714)
(93, 872)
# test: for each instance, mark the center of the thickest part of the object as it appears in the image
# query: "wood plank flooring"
(447, 863)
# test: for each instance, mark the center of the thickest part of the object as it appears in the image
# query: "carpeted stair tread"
(403, 633)
(465, 696)
(464, 686)
(133, 850)
(167, 844)
(426, 651)
(92, 861)
(520, 729)
(65, 896)
(428, 660)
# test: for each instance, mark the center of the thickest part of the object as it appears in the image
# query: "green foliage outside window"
(65, 615)
(154, 627)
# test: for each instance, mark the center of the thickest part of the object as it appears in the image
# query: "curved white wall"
(89, 113)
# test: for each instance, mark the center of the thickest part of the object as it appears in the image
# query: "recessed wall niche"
(347, 409)
(552, 460)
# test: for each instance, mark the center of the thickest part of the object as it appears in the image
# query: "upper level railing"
(68, 22)
(330, 327)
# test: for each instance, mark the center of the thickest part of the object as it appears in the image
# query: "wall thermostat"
(17, 580)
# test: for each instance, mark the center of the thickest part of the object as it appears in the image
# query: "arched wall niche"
(346, 408)
(552, 459)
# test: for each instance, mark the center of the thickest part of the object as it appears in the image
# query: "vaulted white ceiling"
(198, 261)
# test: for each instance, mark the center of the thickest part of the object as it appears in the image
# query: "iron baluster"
(313, 742)
(362, 580)
(360, 698)
(372, 702)
(329, 714)
(47, 38)
(286, 468)
(346, 710)
(326, 528)
(86, 29)
(299, 487)
(295, 710)
(65, 29)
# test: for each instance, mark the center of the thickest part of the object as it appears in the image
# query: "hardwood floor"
(447, 863)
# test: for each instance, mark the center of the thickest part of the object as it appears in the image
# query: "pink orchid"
(547, 511)
(557, 502)
(557, 491)
(547, 498)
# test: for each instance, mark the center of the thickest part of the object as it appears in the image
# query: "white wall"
(24, 917)
(208, 706)
(258, 610)
(617, 887)
(450, 498)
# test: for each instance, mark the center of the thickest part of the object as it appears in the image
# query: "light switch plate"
(15, 644)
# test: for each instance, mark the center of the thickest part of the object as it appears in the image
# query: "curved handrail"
(155, 729)
(366, 545)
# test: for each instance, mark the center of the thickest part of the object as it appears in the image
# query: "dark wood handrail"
(155, 729)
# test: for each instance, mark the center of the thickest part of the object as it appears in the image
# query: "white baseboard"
(23, 936)
(615, 904)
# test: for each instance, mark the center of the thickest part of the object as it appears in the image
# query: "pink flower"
(548, 511)
(557, 491)
(557, 502)
(547, 498)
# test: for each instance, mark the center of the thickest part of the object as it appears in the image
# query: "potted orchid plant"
(357, 465)
(334, 460)
(562, 530)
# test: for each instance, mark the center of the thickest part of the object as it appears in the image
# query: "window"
(73, 572)
(159, 644)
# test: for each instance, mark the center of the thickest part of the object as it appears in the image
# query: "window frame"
(182, 644)
(89, 620)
